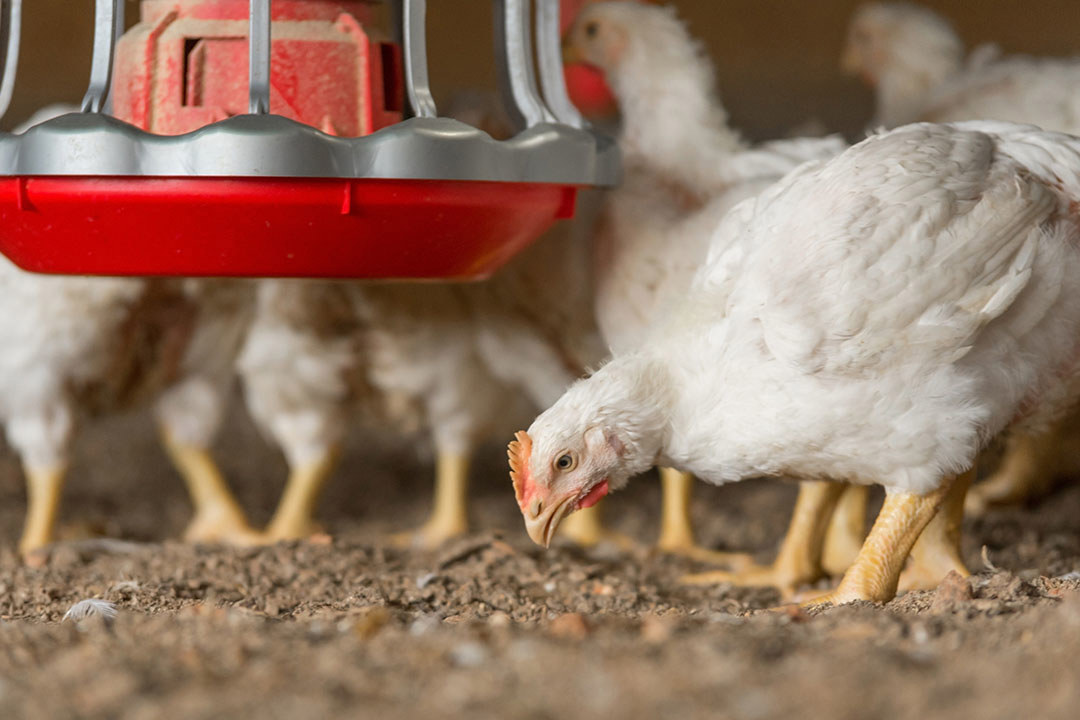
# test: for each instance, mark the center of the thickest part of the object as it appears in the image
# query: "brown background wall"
(777, 59)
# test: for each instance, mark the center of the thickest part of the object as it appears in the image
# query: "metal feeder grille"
(555, 144)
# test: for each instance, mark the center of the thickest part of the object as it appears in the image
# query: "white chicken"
(876, 318)
(684, 169)
(914, 60)
(75, 347)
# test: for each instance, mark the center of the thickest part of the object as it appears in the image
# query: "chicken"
(684, 169)
(925, 282)
(76, 347)
(904, 52)
(914, 60)
(446, 357)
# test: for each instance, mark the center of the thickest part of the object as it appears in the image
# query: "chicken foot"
(43, 489)
(218, 517)
(449, 515)
(799, 559)
(876, 571)
(294, 517)
(937, 551)
(676, 528)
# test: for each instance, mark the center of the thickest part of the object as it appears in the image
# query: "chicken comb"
(518, 452)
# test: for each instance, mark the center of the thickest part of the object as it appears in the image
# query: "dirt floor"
(490, 626)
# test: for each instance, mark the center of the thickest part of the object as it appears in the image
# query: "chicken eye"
(591, 29)
(565, 462)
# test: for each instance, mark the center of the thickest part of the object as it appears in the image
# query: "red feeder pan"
(260, 195)
(273, 227)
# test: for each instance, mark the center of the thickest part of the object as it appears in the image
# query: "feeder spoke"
(259, 57)
(549, 54)
(108, 25)
(417, 84)
(513, 39)
(10, 30)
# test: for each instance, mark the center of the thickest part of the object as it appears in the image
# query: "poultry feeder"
(290, 157)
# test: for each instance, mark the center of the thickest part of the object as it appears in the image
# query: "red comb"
(518, 452)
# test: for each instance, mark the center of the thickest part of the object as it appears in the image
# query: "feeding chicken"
(915, 62)
(684, 169)
(876, 318)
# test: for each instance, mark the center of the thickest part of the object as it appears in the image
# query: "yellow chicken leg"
(449, 516)
(218, 517)
(294, 517)
(1028, 469)
(43, 489)
(937, 552)
(847, 530)
(799, 558)
(875, 573)
(676, 528)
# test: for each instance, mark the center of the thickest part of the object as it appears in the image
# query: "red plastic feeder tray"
(262, 195)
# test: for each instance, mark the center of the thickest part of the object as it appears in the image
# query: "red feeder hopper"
(333, 184)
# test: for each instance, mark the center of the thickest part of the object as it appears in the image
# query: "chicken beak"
(542, 519)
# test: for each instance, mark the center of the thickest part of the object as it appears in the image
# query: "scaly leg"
(874, 574)
(294, 517)
(1027, 469)
(43, 489)
(937, 551)
(218, 517)
(449, 516)
(846, 532)
(676, 528)
(799, 558)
